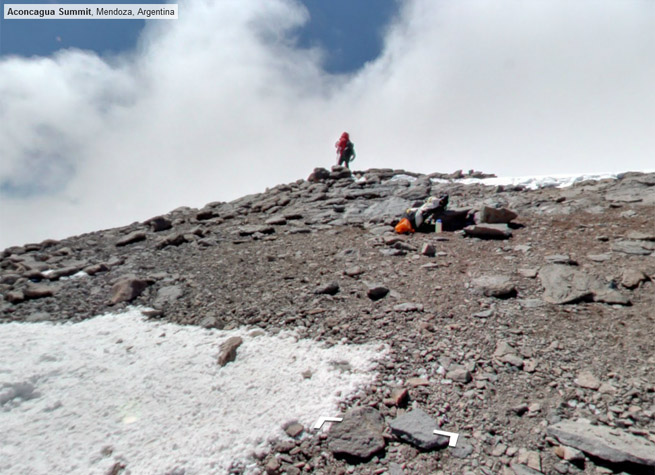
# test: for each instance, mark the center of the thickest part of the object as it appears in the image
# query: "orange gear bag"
(404, 226)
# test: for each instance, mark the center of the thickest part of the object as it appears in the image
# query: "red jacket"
(342, 142)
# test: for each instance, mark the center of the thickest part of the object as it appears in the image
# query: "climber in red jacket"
(345, 150)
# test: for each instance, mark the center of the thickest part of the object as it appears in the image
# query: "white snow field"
(77, 398)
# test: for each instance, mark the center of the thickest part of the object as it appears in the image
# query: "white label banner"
(94, 11)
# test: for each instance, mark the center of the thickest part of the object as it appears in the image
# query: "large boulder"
(490, 215)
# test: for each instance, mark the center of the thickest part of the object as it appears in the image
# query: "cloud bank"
(222, 102)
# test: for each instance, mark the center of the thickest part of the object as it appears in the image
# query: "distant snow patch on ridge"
(402, 176)
(530, 182)
(79, 397)
(542, 181)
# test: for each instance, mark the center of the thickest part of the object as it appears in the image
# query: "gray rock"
(167, 295)
(159, 223)
(327, 289)
(127, 289)
(489, 231)
(609, 444)
(631, 278)
(211, 321)
(488, 215)
(131, 238)
(206, 214)
(640, 236)
(569, 454)
(353, 271)
(513, 360)
(391, 207)
(377, 292)
(318, 174)
(15, 296)
(599, 257)
(560, 259)
(96, 268)
(339, 173)
(359, 435)
(228, 351)
(276, 220)
(637, 248)
(392, 252)
(610, 296)
(463, 448)
(529, 273)
(459, 375)
(416, 427)
(37, 291)
(38, 317)
(9, 279)
(173, 239)
(408, 307)
(250, 229)
(294, 430)
(564, 284)
(418, 190)
(70, 269)
(499, 286)
(428, 250)
(587, 380)
(484, 314)
(520, 469)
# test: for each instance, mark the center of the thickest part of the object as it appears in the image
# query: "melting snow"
(79, 397)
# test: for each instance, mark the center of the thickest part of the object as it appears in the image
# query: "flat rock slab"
(131, 238)
(520, 469)
(641, 236)
(417, 428)
(37, 291)
(359, 434)
(636, 248)
(489, 231)
(606, 443)
(631, 278)
(167, 295)
(564, 284)
(250, 229)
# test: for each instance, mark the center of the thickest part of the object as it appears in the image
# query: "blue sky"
(119, 121)
(350, 32)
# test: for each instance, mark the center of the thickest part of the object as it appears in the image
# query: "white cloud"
(221, 103)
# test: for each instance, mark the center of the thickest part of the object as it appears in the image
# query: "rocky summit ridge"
(531, 338)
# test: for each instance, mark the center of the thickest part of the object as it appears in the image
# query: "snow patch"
(118, 388)
(536, 182)
(404, 177)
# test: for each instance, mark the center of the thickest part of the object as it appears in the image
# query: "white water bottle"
(438, 226)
